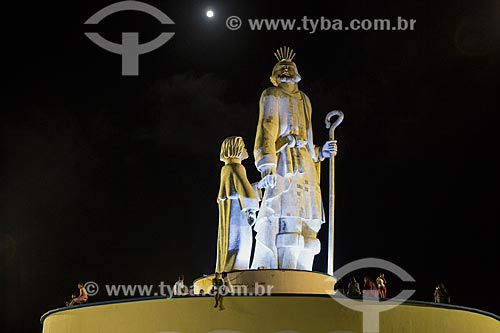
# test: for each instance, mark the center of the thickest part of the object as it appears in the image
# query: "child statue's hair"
(232, 147)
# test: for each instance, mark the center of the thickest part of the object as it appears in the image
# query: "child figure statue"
(238, 204)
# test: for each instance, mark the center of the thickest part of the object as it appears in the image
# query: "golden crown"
(284, 54)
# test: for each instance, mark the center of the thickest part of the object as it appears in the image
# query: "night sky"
(114, 179)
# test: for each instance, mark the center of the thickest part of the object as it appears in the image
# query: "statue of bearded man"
(291, 211)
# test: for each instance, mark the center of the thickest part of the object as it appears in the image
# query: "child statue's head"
(233, 147)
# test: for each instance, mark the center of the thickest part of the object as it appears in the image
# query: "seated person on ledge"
(82, 298)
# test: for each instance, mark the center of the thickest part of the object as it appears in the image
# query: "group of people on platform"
(221, 285)
(377, 289)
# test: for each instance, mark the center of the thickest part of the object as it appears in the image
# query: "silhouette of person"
(369, 288)
(179, 285)
(353, 287)
(381, 285)
(82, 297)
(227, 286)
(340, 286)
(217, 283)
(441, 294)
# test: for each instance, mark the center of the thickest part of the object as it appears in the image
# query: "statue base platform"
(272, 281)
(260, 314)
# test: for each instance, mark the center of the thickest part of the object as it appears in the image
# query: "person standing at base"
(381, 286)
(353, 288)
(238, 203)
(225, 288)
(441, 294)
(226, 285)
(369, 288)
(179, 286)
(291, 212)
(340, 287)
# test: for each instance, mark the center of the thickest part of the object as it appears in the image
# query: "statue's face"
(286, 71)
(244, 154)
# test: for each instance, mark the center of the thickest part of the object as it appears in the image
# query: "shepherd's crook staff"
(332, 127)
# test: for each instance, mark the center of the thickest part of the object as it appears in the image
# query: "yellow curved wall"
(259, 315)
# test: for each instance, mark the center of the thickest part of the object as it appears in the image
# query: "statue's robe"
(294, 205)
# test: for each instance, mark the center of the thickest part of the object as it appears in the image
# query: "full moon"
(210, 13)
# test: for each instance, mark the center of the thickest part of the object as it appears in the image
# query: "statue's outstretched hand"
(329, 149)
(268, 174)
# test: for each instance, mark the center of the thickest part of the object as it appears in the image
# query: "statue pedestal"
(272, 281)
(281, 312)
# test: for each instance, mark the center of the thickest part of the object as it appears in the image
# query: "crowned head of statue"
(285, 69)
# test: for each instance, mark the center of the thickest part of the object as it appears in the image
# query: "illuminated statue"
(238, 204)
(291, 211)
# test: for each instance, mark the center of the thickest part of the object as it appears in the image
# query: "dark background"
(114, 179)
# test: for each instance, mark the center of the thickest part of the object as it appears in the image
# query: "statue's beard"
(288, 78)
